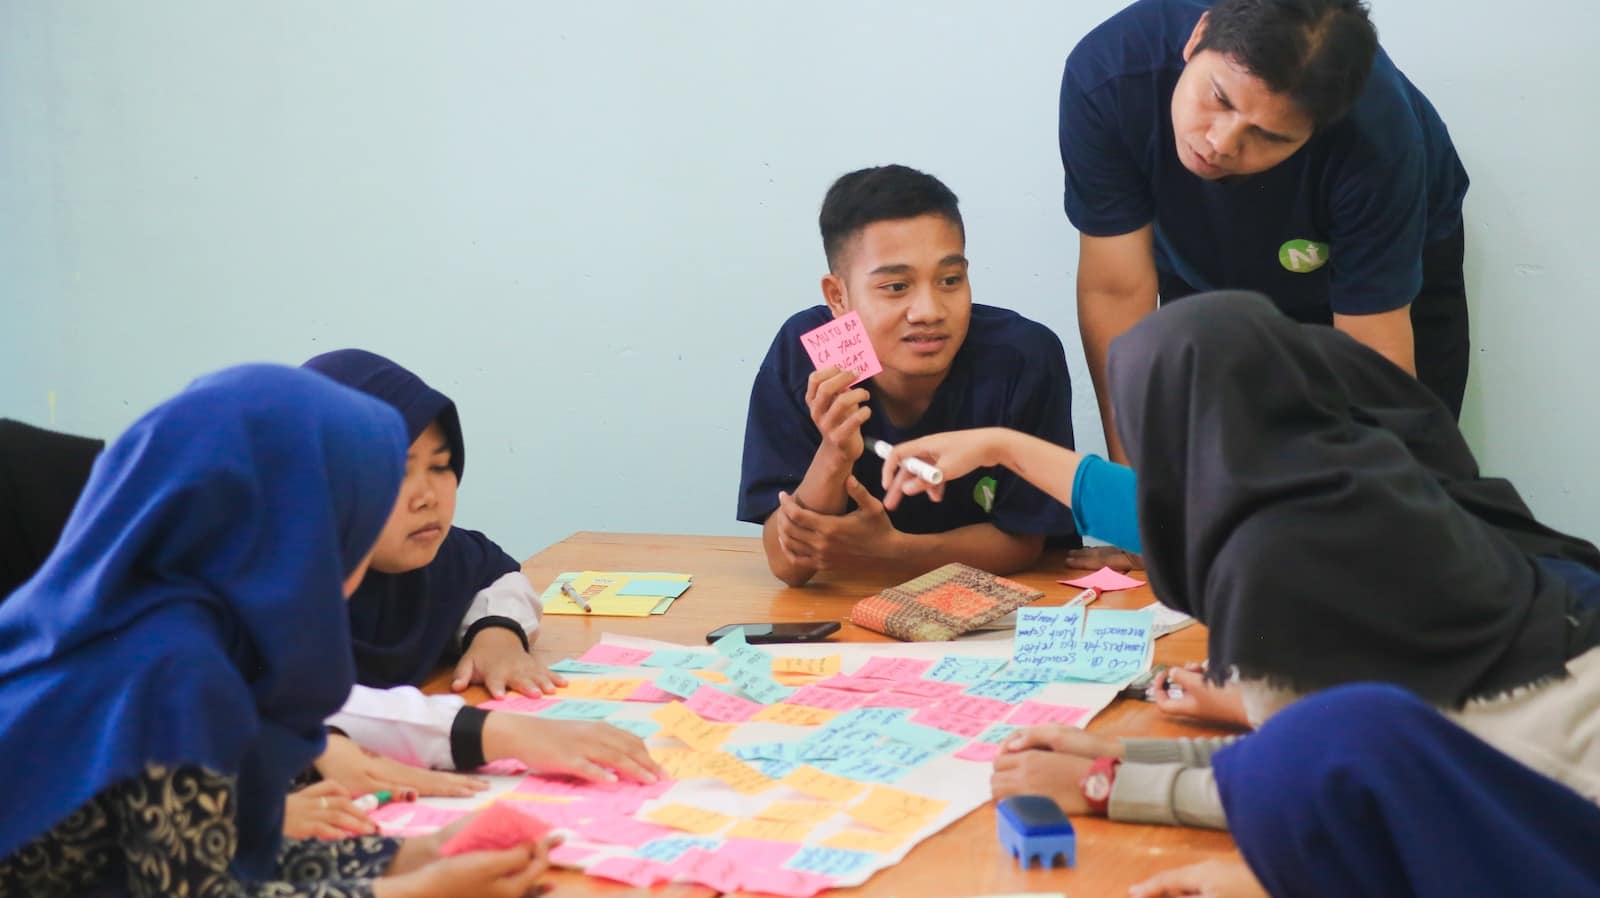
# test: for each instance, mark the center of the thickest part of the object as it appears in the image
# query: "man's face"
(1225, 120)
(907, 279)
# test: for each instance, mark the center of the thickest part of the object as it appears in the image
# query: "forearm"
(1104, 315)
(1387, 333)
(983, 546)
(821, 490)
(785, 568)
(401, 723)
(1046, 465)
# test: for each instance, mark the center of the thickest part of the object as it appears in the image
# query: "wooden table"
(733, 585)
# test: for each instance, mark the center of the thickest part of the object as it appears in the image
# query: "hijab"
(41, 474)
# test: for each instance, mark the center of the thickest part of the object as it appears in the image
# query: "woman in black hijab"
(41, 474)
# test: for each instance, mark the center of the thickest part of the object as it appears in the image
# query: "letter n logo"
(1303, 256)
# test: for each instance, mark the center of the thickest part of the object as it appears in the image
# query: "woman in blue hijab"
(168, 670)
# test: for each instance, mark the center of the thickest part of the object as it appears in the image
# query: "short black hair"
(1317, 52)
(883, 193)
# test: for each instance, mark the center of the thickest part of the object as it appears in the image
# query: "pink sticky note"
(894, 668)
(843, 343)
(789, 883)
(495, 828)
(977, 707)
(760, 853)
(900, 700)
(504, 767)
(722, 873)
(828, 699)
(930, 688)
(412, 819)
(1105, 580)
(950, 723)
(519, 703)
(979, 751)
(856, 684)
(714, 704)
(1031, 713)
(622, 831)
(635, 871)
(650, 692)
(615, 655)
(569, 855)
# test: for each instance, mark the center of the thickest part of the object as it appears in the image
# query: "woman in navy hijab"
(169, 668)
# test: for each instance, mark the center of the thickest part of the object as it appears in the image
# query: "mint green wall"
(585, 221)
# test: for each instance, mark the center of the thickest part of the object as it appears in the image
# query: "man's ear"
(834, 295)
(1195, 35)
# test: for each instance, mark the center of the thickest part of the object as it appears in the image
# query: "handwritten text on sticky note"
(843, 343)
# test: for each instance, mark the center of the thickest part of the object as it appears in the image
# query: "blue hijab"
(404, 625)
(193, 610)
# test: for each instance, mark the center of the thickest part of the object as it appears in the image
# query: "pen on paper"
(574, 595)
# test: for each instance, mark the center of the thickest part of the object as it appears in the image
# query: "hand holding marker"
(916, 466)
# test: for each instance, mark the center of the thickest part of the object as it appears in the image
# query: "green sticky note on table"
(661, 588)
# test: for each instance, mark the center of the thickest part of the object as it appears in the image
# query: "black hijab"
(1317, 508)
(41, 474)
(404, 625)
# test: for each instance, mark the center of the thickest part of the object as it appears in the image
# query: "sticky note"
(821, 785)
(571, 709)
(679, 658)
(672, 588)
(649, 692)
(957, 724)
(924, 737)
(865, 840)
(856, 684)
(635, 871)
(711, 676)
(739, 776)
(795, 715)
(822, 697)
(671, 848)
(690, 728)
(569, 855)
(518, 703)
(927, 688)
(567, 665)
(602, 688)
(688, 818)
(735, 646)
(495, 828)
(998, 733)
(893, 668)
(904, 754)
(718, 871)
(979, 751)
(1105, 580)
(758, 853)
(976, 707)
(1030, 673)
(798, 811)
(1032, 713)
(714, 704)
(825, 666)
(756, 683)
(899, 700)
(1116, 644)
(615, 655)
(678, 682)
(830, 861)
(679, 763)
(771, 830)
(895, 810)
(1047, 637)
(644, 729)
(789, 883)
(865, 769)
(956, 669)
(772, 751)
(843, 343)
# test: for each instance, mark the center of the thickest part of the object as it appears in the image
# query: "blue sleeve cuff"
(1103, 502)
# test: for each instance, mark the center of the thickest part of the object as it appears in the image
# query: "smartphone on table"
(758, 634)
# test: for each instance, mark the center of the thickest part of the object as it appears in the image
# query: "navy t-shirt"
(1010, 372)
(1337, 227)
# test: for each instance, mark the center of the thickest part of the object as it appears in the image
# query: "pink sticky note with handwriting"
(758, 853)
(623, 831)
(950, 723)
(1031, 713)
(635, 871)
(856, 684)
(650, 692)
(929, 688)
(843, 343)
(519, 703)
(411, 819)
(893, 668)
(714, 704)
(615, 655)
(900, 700)
(1105, 580)
(976, 707)
(979, 751)
(827, 699)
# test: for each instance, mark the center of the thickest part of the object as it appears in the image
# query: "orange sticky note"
(796, 715)
(770, 830)
(690, 819)
(798, 811)
(741, 777)
(711, 676)
(817, 667)
(823, 785)
(896, 811)
(865, 840)
(689, 727)
(679, 763)
(605, 689)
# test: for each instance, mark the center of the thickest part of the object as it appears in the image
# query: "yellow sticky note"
(600, 688)
(817, 667)
(770, 830)
(711, 676)
(896, 811)
(823, 785)
(739, 776)
(690, 728)
(679, 763)
(528, 796)
(798, 811)
(865, 840)
(795, 715)
(699, 821)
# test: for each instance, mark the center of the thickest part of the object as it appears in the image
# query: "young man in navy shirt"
(896, 250)
(1268, 145)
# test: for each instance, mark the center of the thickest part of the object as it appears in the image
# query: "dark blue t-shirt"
(1010, 372)
(1337, 227)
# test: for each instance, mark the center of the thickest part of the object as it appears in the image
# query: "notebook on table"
(942, 604)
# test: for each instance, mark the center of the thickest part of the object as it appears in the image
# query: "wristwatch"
(1096, 784)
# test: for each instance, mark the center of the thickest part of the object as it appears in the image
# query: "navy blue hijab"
(404, 625)
(193, 610)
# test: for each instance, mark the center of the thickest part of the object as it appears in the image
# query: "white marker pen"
(915, 465)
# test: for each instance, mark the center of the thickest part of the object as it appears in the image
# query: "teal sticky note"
(678, 682)
(997, 733)
(904, 755)
(1115, 645)
(864, 769)
(684, 658)
(1006, 692)
(577, 709)
(1047, 637)
(671, 848)
(667, 588)
(1033, 673)
(644, 729)
(768, 751)
(830, 861)
(573, 666)
(956, 669)
(926, 738)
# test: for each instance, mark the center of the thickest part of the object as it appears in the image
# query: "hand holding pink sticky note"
(843, 343)
(1105, 580)
(495, 828)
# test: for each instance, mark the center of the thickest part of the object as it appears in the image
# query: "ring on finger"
(323, 802)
